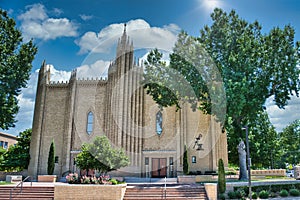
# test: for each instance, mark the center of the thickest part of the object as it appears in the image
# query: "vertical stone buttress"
(120, 91)
(69, 125)
(141, 114)
(38, 121)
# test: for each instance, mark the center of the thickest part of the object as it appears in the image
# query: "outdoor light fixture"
(199, 145)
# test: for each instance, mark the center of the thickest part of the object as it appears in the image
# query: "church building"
(75, 112)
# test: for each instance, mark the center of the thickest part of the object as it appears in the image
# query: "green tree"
(185, 161)
(264, 143)
(17, 157)
(290, 143)
(85, 160)
(251, 67)
(101, 156)
(15, 66)
(2, 152)
(51, 159)
(221, 177)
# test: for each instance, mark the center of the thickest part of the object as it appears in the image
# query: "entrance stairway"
(158, 191)
(28, 192)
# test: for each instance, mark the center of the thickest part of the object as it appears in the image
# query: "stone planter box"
(89, 191)
(13, 178)
(204, 178)
(47, 178)
(211, 190)
(186, 179)
(297, 172)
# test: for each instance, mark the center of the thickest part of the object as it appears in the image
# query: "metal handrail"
(21, 189)
(165, 188)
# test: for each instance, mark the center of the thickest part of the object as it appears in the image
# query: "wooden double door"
(159, 167)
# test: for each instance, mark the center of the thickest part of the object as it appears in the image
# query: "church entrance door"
(159, 167)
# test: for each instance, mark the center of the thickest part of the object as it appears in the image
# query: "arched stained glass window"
(90, 122)
(159, 123)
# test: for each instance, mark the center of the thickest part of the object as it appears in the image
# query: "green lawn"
(5, 183)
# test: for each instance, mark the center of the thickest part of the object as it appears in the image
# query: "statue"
(242, 161)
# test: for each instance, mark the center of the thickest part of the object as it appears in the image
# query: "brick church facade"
(77, 111)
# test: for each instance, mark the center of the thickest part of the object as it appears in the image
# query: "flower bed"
(99, 179)
(90, 187)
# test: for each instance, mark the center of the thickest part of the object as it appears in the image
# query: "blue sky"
(67, 32)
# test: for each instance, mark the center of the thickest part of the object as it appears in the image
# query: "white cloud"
(85, 17)
(35, 23)
(139, 31)
(58, 75)
(57, 11)
(280, 118)
(34, 12)
(95, 70)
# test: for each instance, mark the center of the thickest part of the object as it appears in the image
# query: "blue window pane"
(1, 143)
(158, 122)
(90, 122)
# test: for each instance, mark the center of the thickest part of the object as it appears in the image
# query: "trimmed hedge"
(284, 193)
(263, 194)
(294, 192)
(271, 188)
(254, 195)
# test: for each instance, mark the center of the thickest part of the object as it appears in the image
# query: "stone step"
(149, 180)
(35, 192)
(167, 198)
(177, 192)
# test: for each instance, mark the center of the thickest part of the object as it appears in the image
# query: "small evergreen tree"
(185, 161)
(51, 159)
(221, 177)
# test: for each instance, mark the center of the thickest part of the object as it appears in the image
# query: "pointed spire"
(125, 28)
(124, 36)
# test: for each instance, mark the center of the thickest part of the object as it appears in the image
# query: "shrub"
(114, 181)
(73, 178)
(99, 179)
(222, 196)
(232, 195)
(240, 193)
(284, 193)
(185, 161)
(254, 195)
(51, 159)
(294, 192)
(221, 177)
(263, 194)
(230, 173)
(85, 180)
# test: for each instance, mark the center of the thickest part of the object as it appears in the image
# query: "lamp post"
(248, 162)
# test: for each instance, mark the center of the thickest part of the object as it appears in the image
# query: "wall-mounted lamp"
(197, 144)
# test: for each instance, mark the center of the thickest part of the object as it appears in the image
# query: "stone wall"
(80, 191)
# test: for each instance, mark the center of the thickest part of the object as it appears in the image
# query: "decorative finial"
(125, 27)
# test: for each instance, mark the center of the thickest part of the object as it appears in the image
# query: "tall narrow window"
(90, 122)
(159, 123)
(194, 159)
